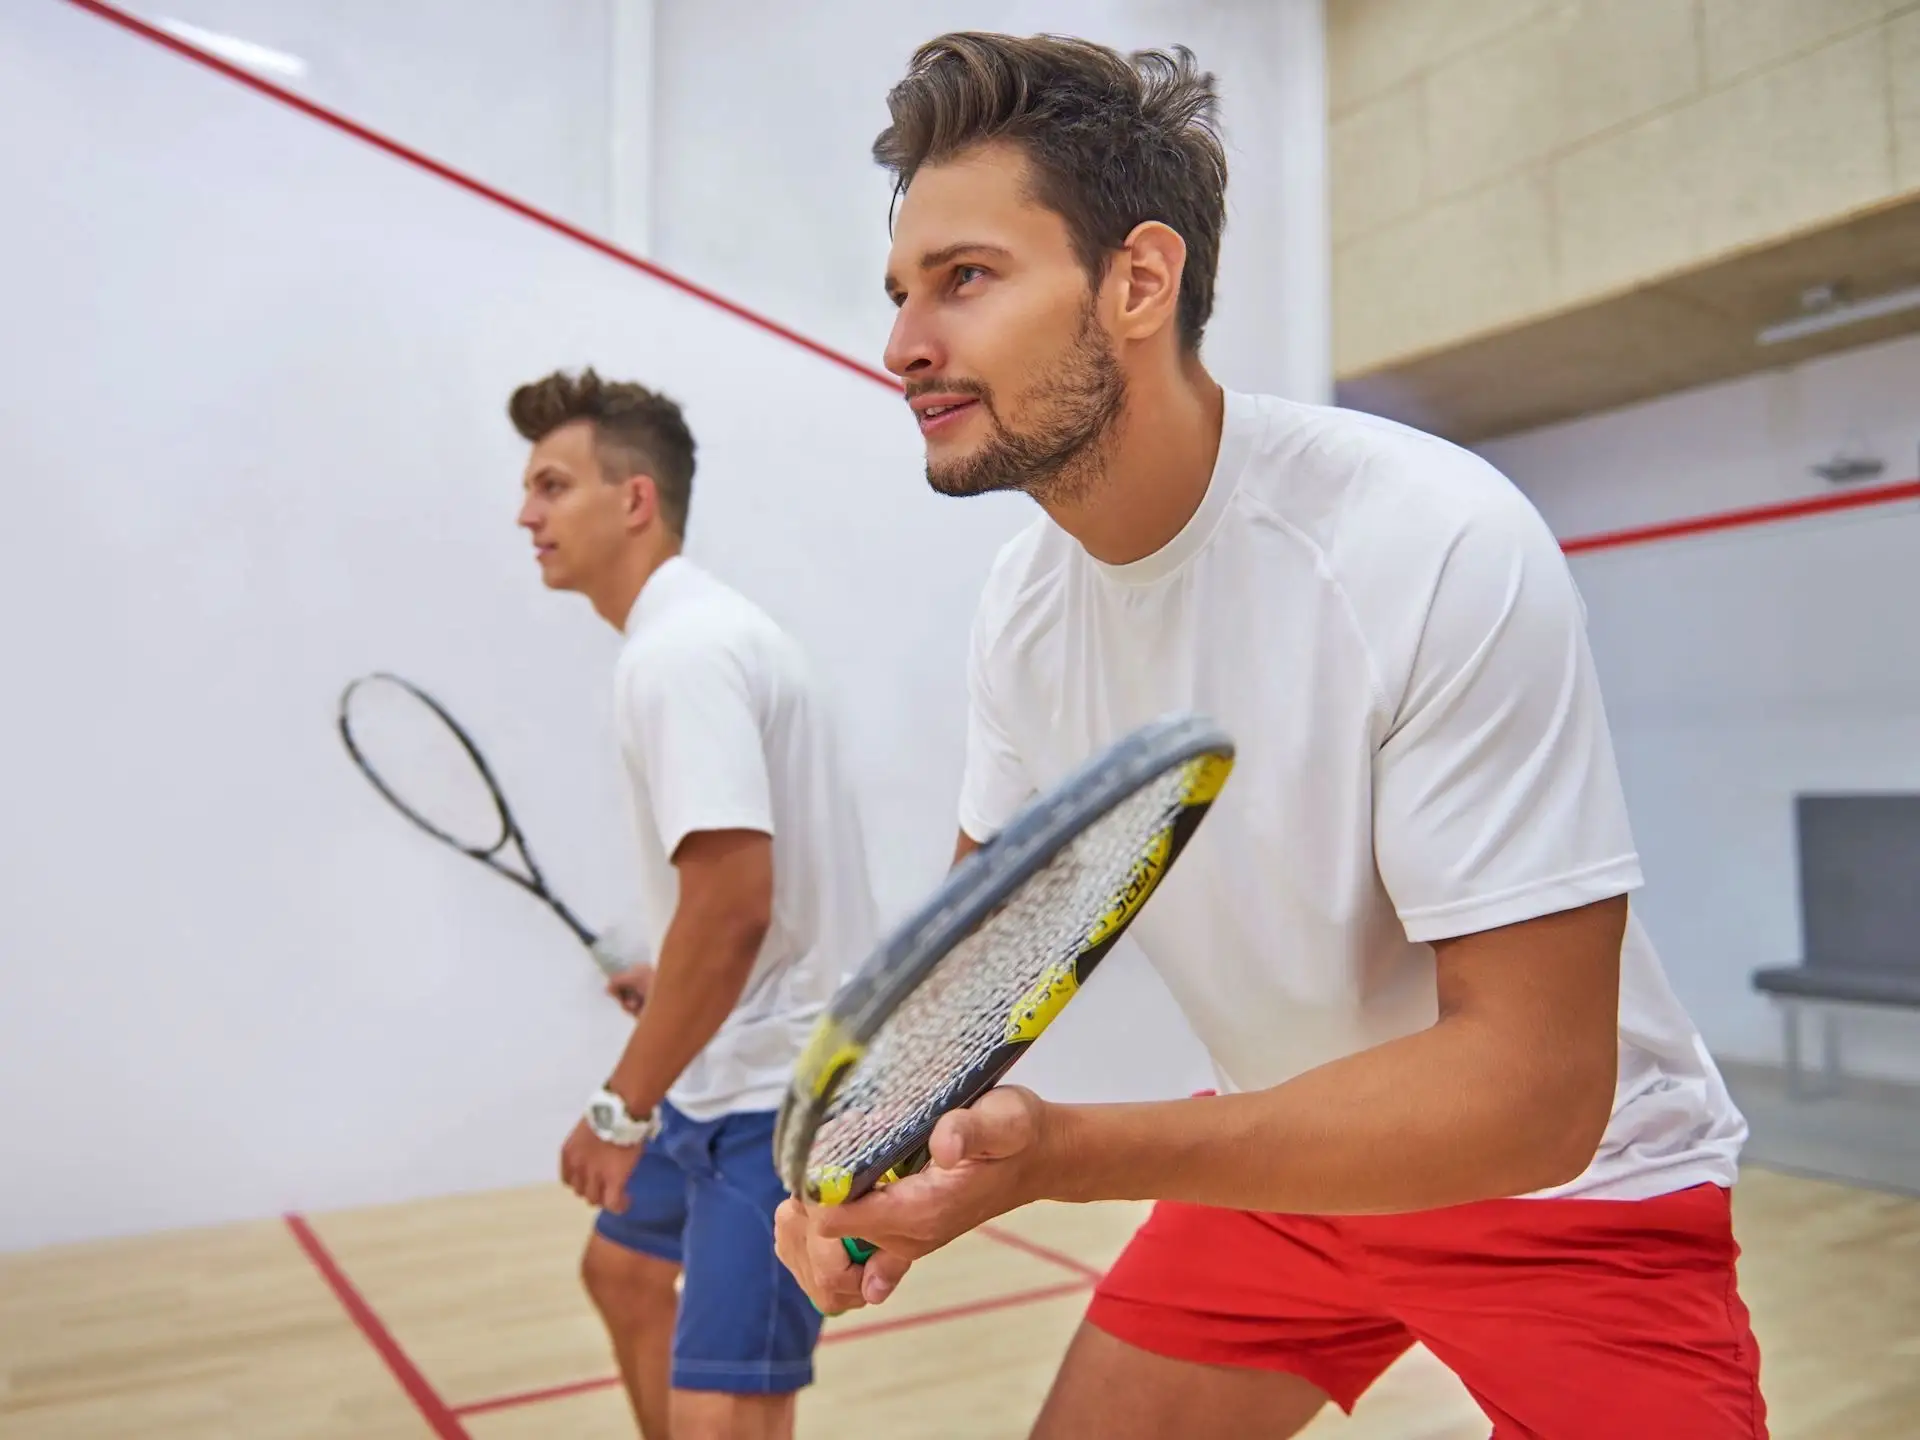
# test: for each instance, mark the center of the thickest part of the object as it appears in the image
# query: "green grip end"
(858, 1251)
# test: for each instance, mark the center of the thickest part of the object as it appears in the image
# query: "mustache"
(916, 388)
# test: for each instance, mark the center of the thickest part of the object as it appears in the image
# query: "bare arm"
(719, 922)
(1509, 1091)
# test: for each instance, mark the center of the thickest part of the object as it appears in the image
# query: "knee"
(627, 1287)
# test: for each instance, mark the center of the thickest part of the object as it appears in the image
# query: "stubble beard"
(1061, 458)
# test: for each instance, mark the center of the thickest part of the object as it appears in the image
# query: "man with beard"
(1459, 1103)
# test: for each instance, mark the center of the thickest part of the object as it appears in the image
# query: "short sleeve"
(995, 783)
(1496, 794)
(697, 734)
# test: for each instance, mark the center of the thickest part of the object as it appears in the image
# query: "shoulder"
(1391, 512)
(1356, 485)
(710, 630)
(1428, 551)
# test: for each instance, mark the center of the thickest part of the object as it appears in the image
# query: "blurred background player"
(751, 858)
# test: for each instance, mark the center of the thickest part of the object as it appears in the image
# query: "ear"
(641, 500)
(1148, 267)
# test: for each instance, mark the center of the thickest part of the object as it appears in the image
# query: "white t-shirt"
(1391, 635)
(723, 726)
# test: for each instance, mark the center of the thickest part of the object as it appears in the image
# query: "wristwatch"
(609, 1118)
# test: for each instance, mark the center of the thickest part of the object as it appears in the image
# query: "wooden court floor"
(461, 1317)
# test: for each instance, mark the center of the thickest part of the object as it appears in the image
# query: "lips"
(936, 412)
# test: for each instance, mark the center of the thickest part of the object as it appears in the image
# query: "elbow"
(1571, 1120)
(751, 932)
(740, 928)
(723, 946)
(726, 897)
(720, 936)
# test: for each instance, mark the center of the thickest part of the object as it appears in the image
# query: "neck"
(1156, 468)
(613, 596)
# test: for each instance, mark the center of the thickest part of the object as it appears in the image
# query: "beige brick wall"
(1494, 161)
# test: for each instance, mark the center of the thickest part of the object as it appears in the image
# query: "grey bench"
(1859, 862)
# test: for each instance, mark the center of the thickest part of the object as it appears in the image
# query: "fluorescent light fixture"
(240, 52)
(1832, 317)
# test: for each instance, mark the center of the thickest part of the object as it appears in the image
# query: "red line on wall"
(435, 1411)
(1741, 519)
(1584, 544)
(476, 187)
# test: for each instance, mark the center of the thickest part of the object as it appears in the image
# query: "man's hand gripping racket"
(966, 983)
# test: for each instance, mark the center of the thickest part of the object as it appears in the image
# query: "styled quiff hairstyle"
(636, 431)
(1112, 140)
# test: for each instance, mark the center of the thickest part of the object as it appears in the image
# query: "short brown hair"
(636, 431)
(1113, 140)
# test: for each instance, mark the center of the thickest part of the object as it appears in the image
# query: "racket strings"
(961, 1014)
(422, 765)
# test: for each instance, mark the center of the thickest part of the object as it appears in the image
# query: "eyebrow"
(946, 254)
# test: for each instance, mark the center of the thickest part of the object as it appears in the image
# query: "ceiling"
(1687, 330)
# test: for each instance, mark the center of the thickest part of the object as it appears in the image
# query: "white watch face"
(607, 1117)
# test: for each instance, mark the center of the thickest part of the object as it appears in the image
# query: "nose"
(914, 347)
(529, 517)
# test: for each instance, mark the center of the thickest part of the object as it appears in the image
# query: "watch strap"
(609, 1118)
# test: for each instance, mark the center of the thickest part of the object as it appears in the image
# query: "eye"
(963, 273)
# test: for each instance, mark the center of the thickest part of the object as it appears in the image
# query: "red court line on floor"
(1043, 1252)
(958, 1312)
(1741, 519)
(435, 1411)
(538, 1397)
(476, 187)
(856, 1332)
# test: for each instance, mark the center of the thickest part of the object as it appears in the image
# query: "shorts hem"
(742, 1377)
(606, 1227)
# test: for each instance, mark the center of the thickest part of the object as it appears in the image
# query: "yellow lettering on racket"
(1146, 874)
(828, 1054)
(1044, 1001)
(1205, 778)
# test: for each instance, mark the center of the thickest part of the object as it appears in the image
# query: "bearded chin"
(1064, 453)
(1000, 464)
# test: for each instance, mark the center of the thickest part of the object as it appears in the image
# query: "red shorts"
(1566, 1319)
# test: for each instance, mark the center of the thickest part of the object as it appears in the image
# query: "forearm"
(703, 966)
(1433, 1119)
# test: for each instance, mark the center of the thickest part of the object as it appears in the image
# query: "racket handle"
(609, 963)
(859, 1251)
(616, 949)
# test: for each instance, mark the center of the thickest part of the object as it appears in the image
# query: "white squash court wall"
(251, 409)
(1743, 667)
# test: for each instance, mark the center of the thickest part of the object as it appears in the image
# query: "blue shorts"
(702, 1196)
